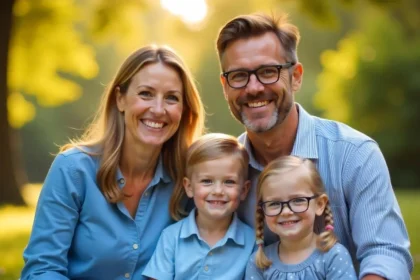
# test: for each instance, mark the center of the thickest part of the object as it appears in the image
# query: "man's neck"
(276, 142)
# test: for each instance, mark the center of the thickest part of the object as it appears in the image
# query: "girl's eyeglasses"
(296, 205)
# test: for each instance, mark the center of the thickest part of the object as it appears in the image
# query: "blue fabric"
(77, 234)
(182, 254)
(367, 218)
(335, 264)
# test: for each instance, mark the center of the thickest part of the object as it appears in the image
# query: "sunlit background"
(361, 61)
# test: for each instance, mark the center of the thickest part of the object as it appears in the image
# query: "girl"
(211, 243)
(292, 198)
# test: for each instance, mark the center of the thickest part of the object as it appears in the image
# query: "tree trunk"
(11, 172)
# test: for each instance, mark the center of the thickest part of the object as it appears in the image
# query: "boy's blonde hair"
(208, 147)
(284, 165)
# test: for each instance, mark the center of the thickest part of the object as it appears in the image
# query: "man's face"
(260, 107)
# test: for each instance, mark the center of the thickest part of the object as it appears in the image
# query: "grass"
(16, 222)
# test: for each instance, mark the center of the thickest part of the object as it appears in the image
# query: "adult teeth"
(153, 124)
(257, 104)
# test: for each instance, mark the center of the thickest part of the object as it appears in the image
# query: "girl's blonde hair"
(283, 165)
(104, 136)
(208, 147)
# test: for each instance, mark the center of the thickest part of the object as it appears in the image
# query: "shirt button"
(146, 193)
(121, 181)
(127, 275)
(206, 268)
(211, 254)
(135, 246)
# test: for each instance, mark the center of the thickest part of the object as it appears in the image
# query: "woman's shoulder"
(77, 157)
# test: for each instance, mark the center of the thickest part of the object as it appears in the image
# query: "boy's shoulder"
(249, 231)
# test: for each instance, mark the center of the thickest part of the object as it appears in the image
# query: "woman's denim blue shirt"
(77, 234)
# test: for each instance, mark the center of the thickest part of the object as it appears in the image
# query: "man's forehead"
(252, 52)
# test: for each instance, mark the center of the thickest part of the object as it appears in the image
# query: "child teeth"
(257, 104)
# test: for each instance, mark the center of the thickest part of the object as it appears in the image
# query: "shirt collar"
(160, 174)
(234, 233)
(305, 145)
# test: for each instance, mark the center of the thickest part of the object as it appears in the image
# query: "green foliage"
(45, 44)
(371, 82)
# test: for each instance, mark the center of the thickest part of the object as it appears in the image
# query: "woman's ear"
(321, 203)
(188, 188)
(119, 99)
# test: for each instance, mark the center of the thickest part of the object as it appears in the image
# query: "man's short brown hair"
(246, 26)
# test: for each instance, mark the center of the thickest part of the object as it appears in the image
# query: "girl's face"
(290, 226)
(217, 187)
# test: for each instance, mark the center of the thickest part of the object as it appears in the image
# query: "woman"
(105, 199)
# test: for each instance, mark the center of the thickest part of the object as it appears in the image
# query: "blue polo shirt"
(182, 254)
(78, 234)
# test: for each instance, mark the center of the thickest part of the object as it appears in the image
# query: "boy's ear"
(247, 185)
(321, 203)
(187, 186)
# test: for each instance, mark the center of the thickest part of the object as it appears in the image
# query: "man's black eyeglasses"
(296, 205)
(267, 74)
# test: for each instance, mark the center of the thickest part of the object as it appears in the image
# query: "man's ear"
(188, 188)
(321, 203)
(224, 85)
(297, 77)
(119, 99)
(245, 190)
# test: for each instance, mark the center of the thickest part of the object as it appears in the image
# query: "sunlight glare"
(191, 11)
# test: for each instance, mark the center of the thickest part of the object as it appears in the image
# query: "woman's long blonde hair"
(283, 165)
(105, 135)
(208, 147)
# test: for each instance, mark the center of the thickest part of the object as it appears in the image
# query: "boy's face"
(217, 187)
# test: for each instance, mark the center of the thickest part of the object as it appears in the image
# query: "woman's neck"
(137, 161)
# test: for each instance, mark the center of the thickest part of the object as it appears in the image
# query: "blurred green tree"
(44, 50)
(371, 82)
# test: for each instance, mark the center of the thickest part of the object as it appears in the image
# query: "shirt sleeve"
(378, 229)
(56, 216)
(340, 265)
(162, 264)
(253, 272)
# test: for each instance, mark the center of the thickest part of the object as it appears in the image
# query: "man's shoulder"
(335, 131)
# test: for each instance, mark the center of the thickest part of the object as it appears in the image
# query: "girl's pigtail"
(261, 259)
(327, 239)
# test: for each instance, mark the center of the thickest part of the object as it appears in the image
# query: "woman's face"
(152, 105)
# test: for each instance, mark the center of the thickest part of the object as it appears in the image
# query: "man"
(261, 73)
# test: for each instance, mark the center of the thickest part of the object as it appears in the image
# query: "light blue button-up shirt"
(367, 218)
(77, 234)
(182, 254)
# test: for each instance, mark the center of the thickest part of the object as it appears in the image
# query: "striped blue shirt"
(77, 234)
(367, 217)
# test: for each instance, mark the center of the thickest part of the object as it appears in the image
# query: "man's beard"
(260, 128)
(277, 117)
